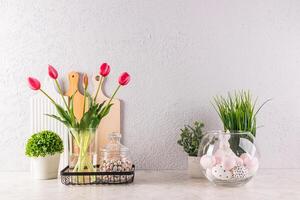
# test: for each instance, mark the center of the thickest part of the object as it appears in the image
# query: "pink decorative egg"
(207, 161)
(229, 163)
(251, 164)
(245, 156)
(247, 162)
(239, 161)
(219, 156)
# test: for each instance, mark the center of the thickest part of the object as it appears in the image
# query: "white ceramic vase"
(194, 167)
(45, 167)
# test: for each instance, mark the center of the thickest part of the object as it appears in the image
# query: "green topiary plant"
(190, 138)
(44, 143)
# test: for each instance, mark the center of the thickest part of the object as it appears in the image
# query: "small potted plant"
(44, 149)
(190, 139)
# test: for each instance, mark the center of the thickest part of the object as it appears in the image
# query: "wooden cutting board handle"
(78, 97)
(110, 123)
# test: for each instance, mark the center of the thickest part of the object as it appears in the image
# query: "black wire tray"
(91, 178)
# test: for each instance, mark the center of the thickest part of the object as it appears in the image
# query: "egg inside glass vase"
(229, 159)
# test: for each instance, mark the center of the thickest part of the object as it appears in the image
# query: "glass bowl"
(229, 159)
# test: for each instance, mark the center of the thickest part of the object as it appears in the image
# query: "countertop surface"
(165, 184)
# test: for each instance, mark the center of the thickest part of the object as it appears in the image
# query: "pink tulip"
(124, 78)
(34, 84)
(52, 72)
(104, 69)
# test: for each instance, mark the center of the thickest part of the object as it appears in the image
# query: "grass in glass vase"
(238, 114)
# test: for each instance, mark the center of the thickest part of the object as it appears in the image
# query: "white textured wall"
(180, 54)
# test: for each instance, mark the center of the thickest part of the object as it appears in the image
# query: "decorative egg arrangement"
(226, 163)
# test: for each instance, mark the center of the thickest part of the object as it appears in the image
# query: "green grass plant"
(238, 113)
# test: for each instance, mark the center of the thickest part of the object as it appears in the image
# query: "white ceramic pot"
(194, 167)
(45, 167)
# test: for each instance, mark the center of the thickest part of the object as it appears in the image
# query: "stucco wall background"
(179, 53)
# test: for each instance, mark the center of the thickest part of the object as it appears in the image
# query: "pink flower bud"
(34, 84)
(52, 72)
(104, 69)
(124, 78)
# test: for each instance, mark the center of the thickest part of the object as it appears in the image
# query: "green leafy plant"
(91, 118)
(43, 144)
(238, 113)
(190, 138)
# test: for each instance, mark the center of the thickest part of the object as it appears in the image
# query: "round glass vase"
(229, 159)
(82, 150)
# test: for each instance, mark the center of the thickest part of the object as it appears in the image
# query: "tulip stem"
(48, 96)
(99, 86)
(112, 97)
(61, 94)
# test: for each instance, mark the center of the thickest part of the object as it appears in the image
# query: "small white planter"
(194, 167)
(45, 167)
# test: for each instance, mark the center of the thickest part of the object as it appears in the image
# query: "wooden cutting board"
(78, 98)
(110, 123)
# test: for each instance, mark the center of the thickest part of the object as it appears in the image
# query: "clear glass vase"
(229, 159)
(82, 150)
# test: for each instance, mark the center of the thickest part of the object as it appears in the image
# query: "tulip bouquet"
(82, 130)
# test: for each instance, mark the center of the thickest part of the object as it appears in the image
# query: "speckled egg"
(219, 172)
(239, 172)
